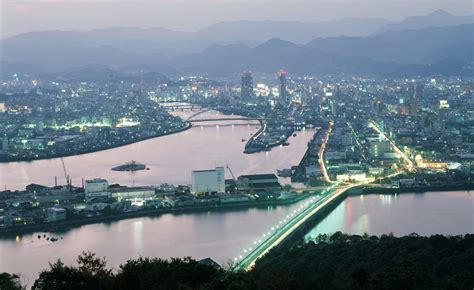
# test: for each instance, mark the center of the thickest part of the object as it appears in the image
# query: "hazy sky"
(32, 15)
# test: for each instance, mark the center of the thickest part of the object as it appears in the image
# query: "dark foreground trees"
(336, 262)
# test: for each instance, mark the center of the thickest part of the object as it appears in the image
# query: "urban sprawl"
(386, 134)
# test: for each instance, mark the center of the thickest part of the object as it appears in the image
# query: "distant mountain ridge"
(408, 46)
(234, 46)
(436, 18)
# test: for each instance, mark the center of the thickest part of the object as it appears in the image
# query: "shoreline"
(69, 224)
(298, 235)
(182, 129)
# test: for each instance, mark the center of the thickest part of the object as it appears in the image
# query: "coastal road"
(282, 232)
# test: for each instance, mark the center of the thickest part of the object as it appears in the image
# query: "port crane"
(66, 176)
(230, 171)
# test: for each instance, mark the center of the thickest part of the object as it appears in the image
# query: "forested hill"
(336, 262)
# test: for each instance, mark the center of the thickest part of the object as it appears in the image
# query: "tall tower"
(418, 95)
(283, 85)
(246, 85)
(411, 98)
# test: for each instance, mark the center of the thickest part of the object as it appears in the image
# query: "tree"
(92, 273)
(10, 282)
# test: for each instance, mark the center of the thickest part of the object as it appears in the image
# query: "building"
(351, 177)
(137, 194)
(96, 187)
(4, 144)
(283, 86)
(208, 182)
(258, 183)
(56, 214)
(379, 148)
(246, 86)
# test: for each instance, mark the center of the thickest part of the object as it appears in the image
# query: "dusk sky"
(188, 15)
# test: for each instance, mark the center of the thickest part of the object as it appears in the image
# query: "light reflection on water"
(426, 214)
(170, 158)
(219, 235)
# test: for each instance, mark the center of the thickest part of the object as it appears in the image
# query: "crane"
(66, 176)
(230, 170)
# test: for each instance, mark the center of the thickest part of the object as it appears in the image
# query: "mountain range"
(419, 44)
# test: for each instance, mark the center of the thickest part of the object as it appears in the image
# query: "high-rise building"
(246, 85)
(283, 90)
(414, 93)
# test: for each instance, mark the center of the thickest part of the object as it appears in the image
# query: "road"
(321, 154)
(409, 163)
(286, 227)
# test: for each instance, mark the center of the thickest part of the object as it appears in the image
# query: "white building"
(351, 177)
(137, 195)
(96, 187)
(56, 214)
(206, 182)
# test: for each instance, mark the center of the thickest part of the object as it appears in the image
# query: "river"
(449, 213)
(170, 158)
(220, 235)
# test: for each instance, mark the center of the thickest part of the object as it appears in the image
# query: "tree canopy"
(338, 261)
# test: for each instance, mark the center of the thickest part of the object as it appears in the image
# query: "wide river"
(220, 235)
(170, 158)
(449, 213)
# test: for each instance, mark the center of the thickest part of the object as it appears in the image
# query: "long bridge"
(225, 119)
(287, 226)
(251, 115)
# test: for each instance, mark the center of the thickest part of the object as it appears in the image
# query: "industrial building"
(258, 183)
(56, 214)
(97, 187)
(208, 182)
(135, 194)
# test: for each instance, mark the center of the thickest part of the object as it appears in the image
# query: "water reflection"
(170, 158)
(426, 214)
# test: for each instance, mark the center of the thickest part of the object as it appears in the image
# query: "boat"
(130, 166)
(286, 144)
(243, 140)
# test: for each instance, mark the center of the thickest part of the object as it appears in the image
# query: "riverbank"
(298, 235)
(251, 147)
(52, 156)
(68, 224)
(414, 189)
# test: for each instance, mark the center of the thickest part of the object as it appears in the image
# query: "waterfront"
(223, 234)
(170, 158)
(220, 235)
(450, 213)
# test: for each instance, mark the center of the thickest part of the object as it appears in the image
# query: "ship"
(130, 166)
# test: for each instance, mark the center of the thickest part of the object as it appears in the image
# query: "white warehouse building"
(208, 182)
(96, 187)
